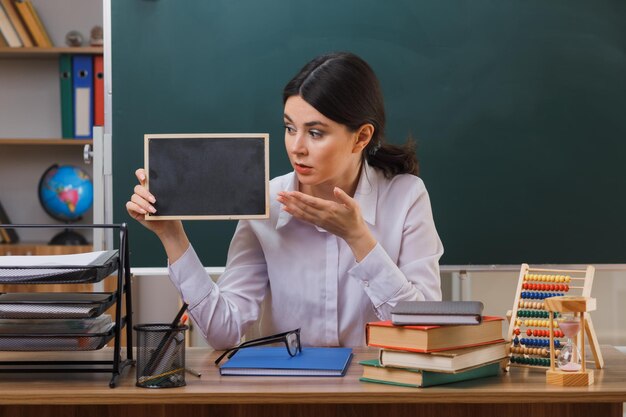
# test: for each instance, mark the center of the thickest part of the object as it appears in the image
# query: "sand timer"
(572, 369)
(568, 359)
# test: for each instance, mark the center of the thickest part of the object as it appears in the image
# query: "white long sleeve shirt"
(311, 276)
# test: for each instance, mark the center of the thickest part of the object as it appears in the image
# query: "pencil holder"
(160, 355)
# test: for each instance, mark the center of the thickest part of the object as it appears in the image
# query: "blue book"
(275, 361)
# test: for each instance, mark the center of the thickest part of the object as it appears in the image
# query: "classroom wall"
(156, 299)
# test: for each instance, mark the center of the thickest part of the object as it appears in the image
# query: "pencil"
(167, 339)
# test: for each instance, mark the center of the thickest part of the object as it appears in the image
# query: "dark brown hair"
(344, 88)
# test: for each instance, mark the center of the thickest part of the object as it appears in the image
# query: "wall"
(156, 299)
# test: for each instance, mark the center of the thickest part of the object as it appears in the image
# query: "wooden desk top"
(517, 386)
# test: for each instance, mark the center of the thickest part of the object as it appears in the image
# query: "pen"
(165, 343)
(180, 314)
(193, 372)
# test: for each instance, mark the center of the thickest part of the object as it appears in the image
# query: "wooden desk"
(521, 392)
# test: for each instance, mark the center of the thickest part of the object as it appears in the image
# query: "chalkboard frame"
(209, 136)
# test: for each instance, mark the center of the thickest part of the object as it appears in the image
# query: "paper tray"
(96, 271)
(54, 305)
(55, 342)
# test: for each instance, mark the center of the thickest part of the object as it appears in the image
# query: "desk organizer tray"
(58, 269)
(32, 321)
(54, 305)
(30, 342)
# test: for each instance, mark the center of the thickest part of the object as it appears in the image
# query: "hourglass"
(568, 359)
(572, 369)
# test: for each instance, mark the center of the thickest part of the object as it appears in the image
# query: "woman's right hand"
(141, 203)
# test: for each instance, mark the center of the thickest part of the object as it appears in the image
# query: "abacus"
(529, 327)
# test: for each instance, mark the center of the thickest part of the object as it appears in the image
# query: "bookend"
(118, 262)
(529, 326)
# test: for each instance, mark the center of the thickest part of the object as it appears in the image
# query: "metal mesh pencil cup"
(160, 355)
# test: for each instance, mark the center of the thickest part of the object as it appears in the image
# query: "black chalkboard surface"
(517, 107)
(208, 176)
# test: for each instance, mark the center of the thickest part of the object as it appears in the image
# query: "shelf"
(60, 142)
(43, 53)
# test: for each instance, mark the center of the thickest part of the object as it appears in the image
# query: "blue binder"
(82, 83)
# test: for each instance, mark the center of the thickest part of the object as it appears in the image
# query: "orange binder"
(98, 90)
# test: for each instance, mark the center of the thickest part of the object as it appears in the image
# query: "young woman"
(350, 231)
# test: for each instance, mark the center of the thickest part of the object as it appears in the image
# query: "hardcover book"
(433, 338)
(275, 361)
(373, 371)
(437, 312)
(449, 361)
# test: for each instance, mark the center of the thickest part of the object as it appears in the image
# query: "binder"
(82, 82)
(67, 102)
(14, 17)
(7, 29)
(98, 91)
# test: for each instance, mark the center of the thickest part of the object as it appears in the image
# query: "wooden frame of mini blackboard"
(210, 136)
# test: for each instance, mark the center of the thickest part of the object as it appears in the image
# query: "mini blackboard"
(208, 176)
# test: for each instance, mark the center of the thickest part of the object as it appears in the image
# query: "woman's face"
(321, 151)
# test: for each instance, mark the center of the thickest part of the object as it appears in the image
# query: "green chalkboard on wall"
(517, 108)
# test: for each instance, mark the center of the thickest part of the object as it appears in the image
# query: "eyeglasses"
(290, 338)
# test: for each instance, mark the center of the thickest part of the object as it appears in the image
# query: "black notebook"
(437, 312)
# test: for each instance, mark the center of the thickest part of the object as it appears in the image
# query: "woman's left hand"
(342, 218)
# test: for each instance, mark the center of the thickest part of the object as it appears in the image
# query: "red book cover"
(433, 338)
(98, 91)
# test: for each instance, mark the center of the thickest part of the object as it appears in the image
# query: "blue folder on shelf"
(82, 79)
(275, 361)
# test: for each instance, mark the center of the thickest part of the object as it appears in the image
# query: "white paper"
(78, 259)
(74, 262)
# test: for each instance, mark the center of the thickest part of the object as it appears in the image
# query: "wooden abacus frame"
(576, 277)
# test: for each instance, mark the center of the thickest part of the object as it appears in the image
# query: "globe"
(66, 193)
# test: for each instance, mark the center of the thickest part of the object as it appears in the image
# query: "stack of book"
(435, 342)
(21, 26)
